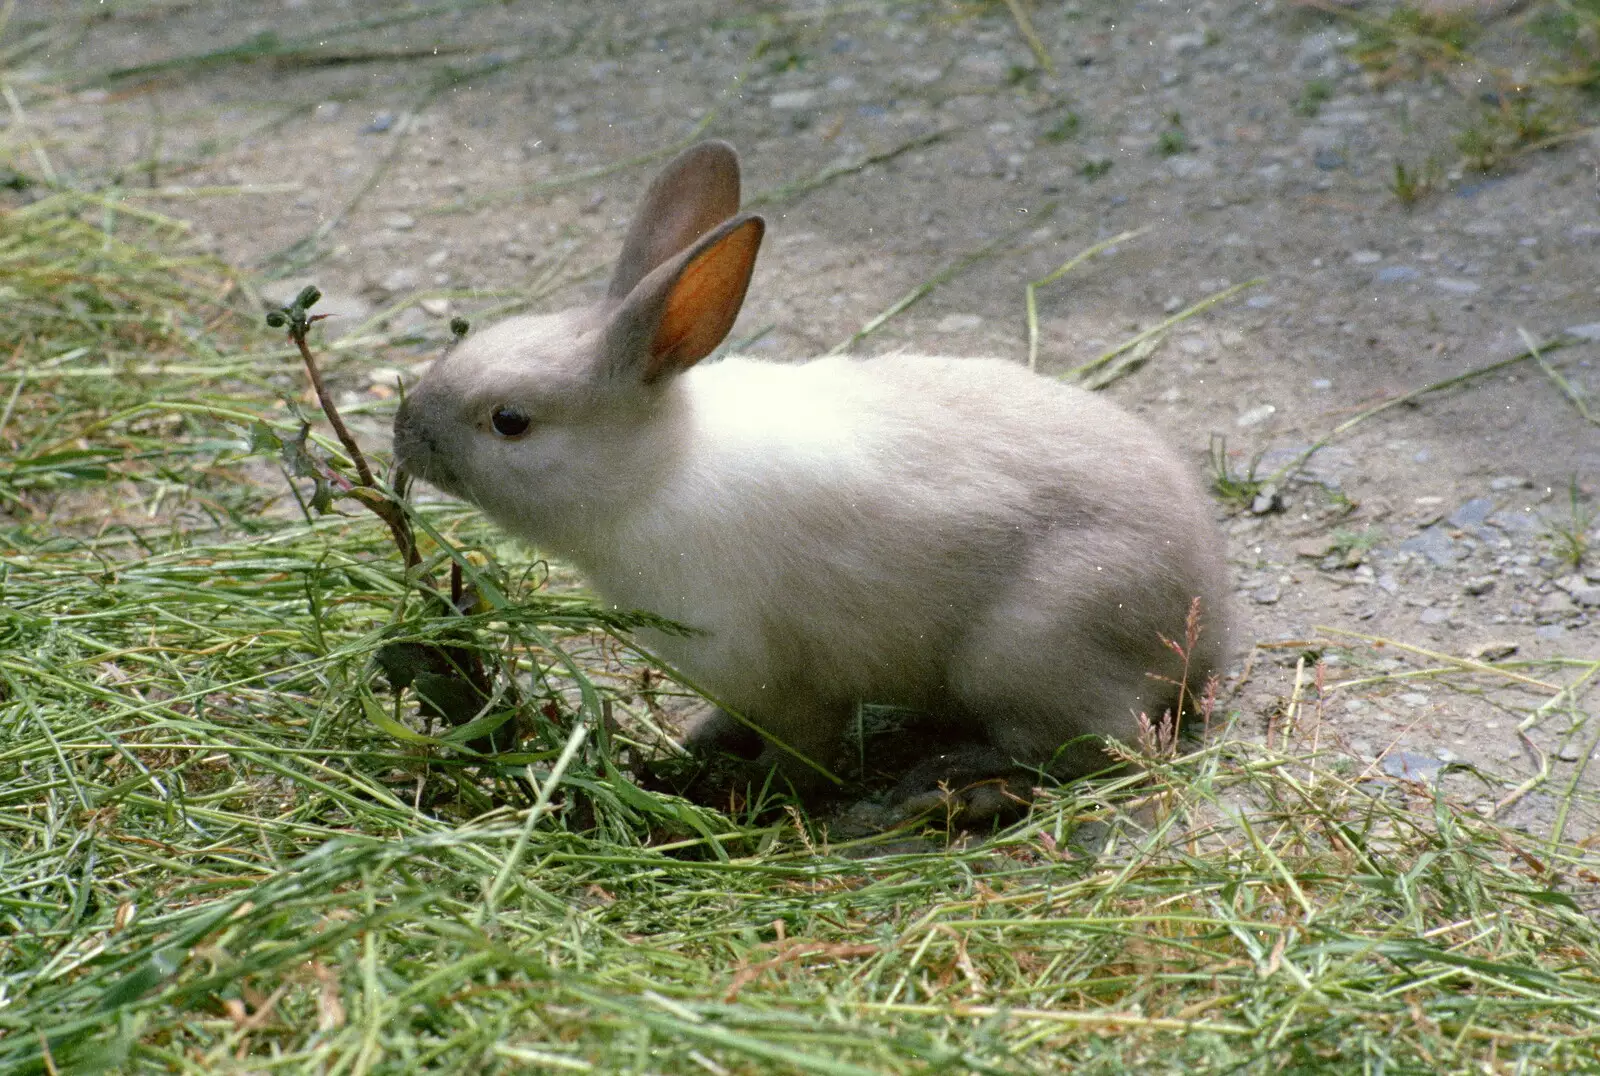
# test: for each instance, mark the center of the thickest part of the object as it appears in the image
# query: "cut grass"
(226, 846)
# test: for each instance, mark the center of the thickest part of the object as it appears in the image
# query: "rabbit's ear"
(695, 192)
(680, 312)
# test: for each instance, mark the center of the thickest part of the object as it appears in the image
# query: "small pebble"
(1365, 257)
(958, 323)
(1494, 650)
(398, 280)
(793, 100)
(1255, 415)
(1435, 545)
(1472, 514)
(1479, 585)
(1182, 44)
(1557, 604)
(1396, 274)
(1587, 595)
(1267, 500)
(1414, 698)
(1434, 615)
(1569, 753)
(1408, 766)
(400, 222)
(435, 307)
(1312, 548)
(1455, 286)
(1509, 482)
(1267, 595)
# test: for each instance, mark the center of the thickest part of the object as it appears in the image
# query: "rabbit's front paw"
(971, 786)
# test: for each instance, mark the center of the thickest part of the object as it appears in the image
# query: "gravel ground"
(480, 151)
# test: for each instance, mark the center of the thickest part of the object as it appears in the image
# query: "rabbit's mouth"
(416, 453)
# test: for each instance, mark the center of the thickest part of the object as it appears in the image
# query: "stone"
(435, 307)
(1267, 595)
(1457, 286)
(1408, 766)
(1365, 257)
(1435, 545)
(1182, 44)
(1187, 166)
(1555, 605)
(1494, 650)
(1434, 615)
(1518, 521)
(958, 323)
(1255, 416)
(1313, 548)
(400, 222)
(1580, 590)
(1479, 585)
(1509, 482)
(1396, 274)
(1472, 514)
(1589, 331)
(1266, 500)
(793, 100)
(398, 280)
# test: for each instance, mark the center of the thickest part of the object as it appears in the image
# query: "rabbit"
(958, 536)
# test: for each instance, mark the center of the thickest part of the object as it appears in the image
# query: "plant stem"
(380, 505)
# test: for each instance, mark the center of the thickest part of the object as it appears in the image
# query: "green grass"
(1527, 83)
(227, 846)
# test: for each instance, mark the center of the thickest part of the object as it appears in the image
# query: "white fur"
(956, 535)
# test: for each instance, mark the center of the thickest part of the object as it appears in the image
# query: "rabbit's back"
(851, 521)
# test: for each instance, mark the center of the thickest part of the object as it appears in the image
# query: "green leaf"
(380, 717)
(162, 965)
(264, 439)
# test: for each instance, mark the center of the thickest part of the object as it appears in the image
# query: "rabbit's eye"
(509, 422)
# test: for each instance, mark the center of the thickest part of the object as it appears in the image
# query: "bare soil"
(470, 152)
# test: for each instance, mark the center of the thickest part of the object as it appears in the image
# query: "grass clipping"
(226, 847)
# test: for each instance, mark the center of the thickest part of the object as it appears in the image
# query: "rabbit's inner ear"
(695, 192)
(704, 299)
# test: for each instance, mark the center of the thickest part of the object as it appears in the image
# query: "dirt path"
(471, 152)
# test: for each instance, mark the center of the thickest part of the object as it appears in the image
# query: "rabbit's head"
(549, 420)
